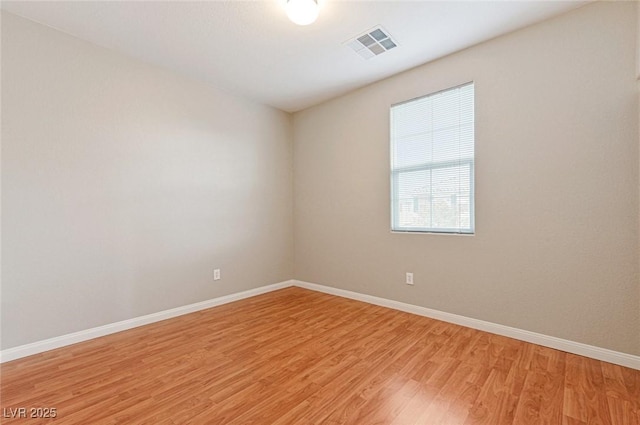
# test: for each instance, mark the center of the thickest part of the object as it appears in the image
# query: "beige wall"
(123, 186)
(638, 85)
(556, 244)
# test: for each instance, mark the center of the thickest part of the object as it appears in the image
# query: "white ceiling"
(250, 47)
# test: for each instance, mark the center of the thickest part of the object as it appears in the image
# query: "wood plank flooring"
(301, 357)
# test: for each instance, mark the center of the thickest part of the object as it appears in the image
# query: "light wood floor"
(300, 357)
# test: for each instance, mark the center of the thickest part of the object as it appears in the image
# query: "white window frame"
(430, 166)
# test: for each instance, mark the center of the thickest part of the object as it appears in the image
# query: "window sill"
(416, 232)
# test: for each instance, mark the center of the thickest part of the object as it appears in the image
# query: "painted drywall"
(638, 85)
(556, 243)
(124, 185)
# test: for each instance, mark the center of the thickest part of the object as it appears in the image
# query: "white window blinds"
(432, 158)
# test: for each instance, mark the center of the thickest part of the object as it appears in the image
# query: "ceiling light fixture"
(302, 12)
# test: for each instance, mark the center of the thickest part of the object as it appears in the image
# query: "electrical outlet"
(409, 278)
(216, 274)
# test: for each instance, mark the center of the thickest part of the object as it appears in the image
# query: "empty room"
(320, 212)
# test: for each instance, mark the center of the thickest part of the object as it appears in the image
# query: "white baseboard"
(598, 353)
(73, 338)
(586, 350)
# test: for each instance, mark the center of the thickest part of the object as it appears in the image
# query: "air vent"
(372, 43)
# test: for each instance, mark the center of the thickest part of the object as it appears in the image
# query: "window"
(432, 162)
